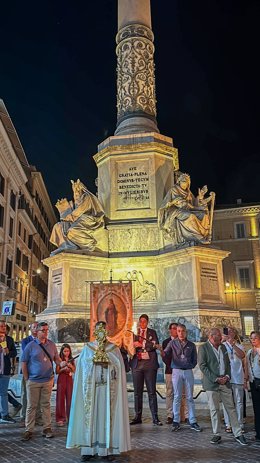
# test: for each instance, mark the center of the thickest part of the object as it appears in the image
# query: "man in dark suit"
(31, 337)
(214, 363)
(144, 369)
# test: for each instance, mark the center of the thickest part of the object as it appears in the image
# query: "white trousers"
(238, 397)
(223, 394)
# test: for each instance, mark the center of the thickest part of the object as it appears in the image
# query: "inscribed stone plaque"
(133, 184)
(56, 286)
(209, 281)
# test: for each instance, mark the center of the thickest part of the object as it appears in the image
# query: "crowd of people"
(94, 403)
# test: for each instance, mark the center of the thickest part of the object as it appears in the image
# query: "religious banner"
(112, 303)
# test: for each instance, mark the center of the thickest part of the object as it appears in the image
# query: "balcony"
(27, 214)
(3, 278)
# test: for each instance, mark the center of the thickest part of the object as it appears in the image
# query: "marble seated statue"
(184, 218)
(79, 219)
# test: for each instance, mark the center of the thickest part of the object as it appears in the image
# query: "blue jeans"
(180, 379)
(4, 381)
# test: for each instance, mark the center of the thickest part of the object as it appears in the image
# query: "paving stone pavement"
(149, 444)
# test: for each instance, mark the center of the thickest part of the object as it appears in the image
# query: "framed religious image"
(112, 303)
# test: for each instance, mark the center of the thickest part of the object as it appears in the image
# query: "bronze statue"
(184, 218)
(79, 220)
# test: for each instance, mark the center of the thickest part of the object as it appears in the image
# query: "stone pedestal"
(183, 285)
(134, 174)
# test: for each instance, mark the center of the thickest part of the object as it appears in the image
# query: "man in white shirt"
(236, 355)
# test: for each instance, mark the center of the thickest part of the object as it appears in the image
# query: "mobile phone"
(225, 330)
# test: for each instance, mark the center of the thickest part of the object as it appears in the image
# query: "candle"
(134, 328)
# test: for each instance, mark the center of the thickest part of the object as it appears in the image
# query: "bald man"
(214, 363)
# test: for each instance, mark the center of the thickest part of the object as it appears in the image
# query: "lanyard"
(182, 347)
(231, 350)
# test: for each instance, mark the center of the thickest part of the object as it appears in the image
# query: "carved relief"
(135, 71)
(211, 321)
(145, 291)
(178, 282)
(133, 239)
(78, 288)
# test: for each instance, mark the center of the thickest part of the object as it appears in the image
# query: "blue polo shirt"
(184, 357)
(39, 366)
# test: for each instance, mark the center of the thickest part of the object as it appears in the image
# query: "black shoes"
(157, 422)
(7, 419)
(175, 426)
(195, 427)
(215, 439)
(136, 420)
(241, 440)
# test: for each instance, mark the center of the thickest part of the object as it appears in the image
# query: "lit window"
(249, 325)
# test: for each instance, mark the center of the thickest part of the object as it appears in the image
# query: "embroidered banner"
(112, 303)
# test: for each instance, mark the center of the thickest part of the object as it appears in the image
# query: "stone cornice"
(68, 257)
(238, 211)
(37, 176)
(144, 148)
(12, 160)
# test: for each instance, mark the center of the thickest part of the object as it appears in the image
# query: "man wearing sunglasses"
(37, 367)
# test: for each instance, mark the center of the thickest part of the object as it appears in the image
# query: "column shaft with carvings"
(136, 101)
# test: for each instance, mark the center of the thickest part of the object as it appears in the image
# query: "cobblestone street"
(149, 444)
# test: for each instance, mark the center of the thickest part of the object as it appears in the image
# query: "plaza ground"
(149, 443)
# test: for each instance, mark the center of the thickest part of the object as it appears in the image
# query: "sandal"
(228, 429)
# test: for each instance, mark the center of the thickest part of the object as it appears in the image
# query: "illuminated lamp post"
(232, 289)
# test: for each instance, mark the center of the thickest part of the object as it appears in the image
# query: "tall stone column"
(136, 101)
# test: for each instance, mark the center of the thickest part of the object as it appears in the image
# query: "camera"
(225, 330)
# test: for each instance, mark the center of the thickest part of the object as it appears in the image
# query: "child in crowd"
(64, 385)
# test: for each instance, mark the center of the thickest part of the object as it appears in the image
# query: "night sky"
(58, 81)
